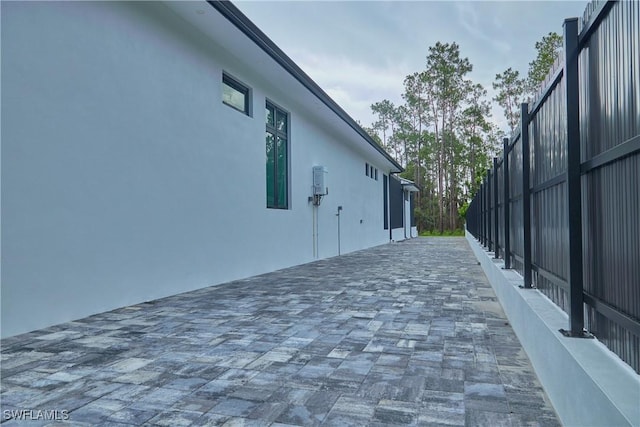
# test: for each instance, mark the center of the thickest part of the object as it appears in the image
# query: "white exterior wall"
(397, 234)
(125, 178)
(412, 231)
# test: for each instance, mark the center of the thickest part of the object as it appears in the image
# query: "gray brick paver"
(406, 333)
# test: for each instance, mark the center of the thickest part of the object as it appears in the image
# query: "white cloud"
(359, 109)
(354, 85)
(333, 69)
(473, 23)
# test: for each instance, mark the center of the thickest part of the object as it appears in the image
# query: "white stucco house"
(152, 148)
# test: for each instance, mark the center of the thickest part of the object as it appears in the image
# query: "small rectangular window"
(371, 171)
(235, 94)
(366, 169)
(376, 174)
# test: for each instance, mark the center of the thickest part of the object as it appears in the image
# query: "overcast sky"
(359, 52)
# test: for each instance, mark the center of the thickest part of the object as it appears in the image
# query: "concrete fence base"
(587, 384)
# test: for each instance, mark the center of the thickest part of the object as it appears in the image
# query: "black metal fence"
(562, 204)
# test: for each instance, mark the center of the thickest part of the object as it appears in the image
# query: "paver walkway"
(407, 333)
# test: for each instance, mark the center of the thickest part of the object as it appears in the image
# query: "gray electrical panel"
(319, 187)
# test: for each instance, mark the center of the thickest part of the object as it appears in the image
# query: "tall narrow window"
(235, 94)
(277, 145)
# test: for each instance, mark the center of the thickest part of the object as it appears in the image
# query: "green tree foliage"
(511, 91)
(441, 135)
(385, 111)
(445, 76)
(548, 50)
(372, 131)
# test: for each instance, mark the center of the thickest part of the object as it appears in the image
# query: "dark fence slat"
(495, 209)
(488, 217)
(507, 226)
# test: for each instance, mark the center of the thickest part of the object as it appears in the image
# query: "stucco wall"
(125, 178)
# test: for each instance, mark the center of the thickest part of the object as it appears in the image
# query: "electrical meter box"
(319, 173)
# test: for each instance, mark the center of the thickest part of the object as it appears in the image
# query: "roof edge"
(244, 24)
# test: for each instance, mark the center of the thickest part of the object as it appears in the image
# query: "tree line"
(442, 132)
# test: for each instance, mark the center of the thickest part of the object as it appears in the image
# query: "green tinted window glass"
(277, 151)
(282, 172)
(271, 175)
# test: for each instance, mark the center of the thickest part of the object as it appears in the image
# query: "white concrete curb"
(587, 384)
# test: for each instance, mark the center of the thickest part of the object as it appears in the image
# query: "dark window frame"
(371, 171)
(385, 202)
(396, 203)
(284, 134)
(240, 87)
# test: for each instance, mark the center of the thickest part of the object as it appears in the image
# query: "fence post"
(574, 197)
(481, 200)
(496, 247)
(481, 212)
(489, 241)
(505, 170)
(484, 211)
(526, 193)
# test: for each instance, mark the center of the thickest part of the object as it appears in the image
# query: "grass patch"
(447, 233)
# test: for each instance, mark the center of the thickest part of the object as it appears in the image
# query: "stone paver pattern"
(406, 333)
